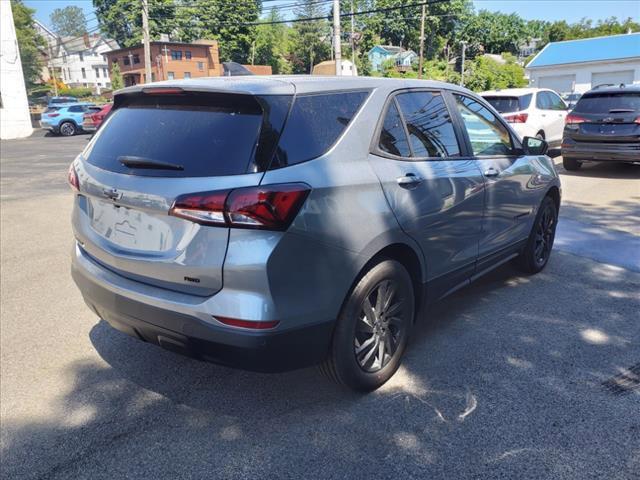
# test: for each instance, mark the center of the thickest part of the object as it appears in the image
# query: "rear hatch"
(605, 117)
(153, 148)
(510, 106)
(48, 116)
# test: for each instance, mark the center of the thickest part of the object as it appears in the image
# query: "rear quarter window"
(314, 125)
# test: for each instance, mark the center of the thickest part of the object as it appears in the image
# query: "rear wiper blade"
(622, 110)
(142, 162)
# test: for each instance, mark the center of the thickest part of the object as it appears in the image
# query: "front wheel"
(67, 129)
(536, 253)
(372, 329)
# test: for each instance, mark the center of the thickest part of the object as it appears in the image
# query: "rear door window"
(608, 102)
(203, 134)
(314, 125)
(543, 102)
(488, 136)
(393, 137)
(429, 125)
(556, 102)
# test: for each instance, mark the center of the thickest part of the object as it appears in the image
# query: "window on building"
(108, 84)
(171, 75)
(176, 54)
(136, 58)
(187, 74)
(201, 66)
(187, 54)
(104, 58)
(64, 57)
(105, 73)
(97, 73)
(126, 61)
(81, 56)
(84, 73)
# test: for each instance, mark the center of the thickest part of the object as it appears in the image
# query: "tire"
(536, 253)
(355, 358)
(571, 164)
(67, 129)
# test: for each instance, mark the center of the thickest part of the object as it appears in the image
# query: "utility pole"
(421, 63)
(353, 42)
(145, 40)
(52, 68)
(464, 47)
(336, 36)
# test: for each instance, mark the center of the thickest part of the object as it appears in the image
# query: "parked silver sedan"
(271, 223)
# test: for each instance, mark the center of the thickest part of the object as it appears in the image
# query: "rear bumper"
(88, 128)
(622, 152)
(263, 351)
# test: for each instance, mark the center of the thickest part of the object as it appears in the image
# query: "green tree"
(310, 40)
(117, 81)
(494, 32)
(271, 44)
(68, 21)
(229, 22)
(484, 73)
(122, 19)
(30, 43)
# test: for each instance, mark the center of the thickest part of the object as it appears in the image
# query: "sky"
(569, 10)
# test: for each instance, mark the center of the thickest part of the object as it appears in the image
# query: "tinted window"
(556, 102)
(207, 135)
(393, 138)
(429, 124)
(487, 134)
(510, 104)
(314, 125)
(605, 102)
(76, 109)
(543, 101)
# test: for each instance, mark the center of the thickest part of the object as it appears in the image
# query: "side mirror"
(534, 146)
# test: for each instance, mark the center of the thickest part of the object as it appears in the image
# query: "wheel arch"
(554, 193)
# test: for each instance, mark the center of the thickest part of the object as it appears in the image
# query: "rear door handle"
(491, 172)
(410, 180)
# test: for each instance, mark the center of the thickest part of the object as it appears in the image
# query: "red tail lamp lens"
(517, 118)
(257, 325)
(269, 207)
(51, 115)
(72, 178)
(574, 120)
(163, 91)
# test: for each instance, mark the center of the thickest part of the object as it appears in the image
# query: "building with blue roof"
(580, 65)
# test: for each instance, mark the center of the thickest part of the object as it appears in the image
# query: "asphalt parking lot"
(513, 377)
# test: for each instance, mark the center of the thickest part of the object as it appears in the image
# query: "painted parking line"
(600, 244)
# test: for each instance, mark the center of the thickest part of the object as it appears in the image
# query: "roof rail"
(606, 85)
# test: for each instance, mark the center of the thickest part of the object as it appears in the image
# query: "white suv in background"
(532, 112)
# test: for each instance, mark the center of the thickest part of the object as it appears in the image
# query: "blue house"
(381, 53)
(579, 65)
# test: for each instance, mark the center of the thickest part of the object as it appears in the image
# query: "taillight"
(517, 118)
(72, 178)
(637, 120)
(163, 91)
(574, 119)
(51, 115)
(254, 325)
(269, 207)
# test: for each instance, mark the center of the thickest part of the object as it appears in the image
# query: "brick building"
(170, 60)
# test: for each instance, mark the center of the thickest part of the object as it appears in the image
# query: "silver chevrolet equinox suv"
(272, 223)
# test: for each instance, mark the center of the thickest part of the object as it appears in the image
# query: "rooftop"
(615, 47)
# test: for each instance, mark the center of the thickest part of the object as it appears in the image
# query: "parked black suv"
(604, 126)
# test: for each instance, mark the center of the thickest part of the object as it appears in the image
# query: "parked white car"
(532, 112)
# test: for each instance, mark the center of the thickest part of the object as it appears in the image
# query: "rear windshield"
(203, 135)
(608, 102)
(314, 124)
(510, 104)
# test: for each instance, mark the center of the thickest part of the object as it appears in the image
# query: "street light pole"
(336, 36)
(146, 40)
(420, 64)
